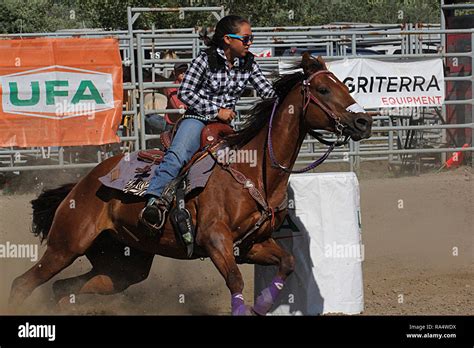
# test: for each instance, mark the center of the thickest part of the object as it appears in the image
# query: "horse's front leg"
(219, 246)
(270, 253)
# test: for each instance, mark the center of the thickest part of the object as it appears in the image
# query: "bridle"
(309, 97)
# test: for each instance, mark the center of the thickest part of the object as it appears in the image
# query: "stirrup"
(161, 207)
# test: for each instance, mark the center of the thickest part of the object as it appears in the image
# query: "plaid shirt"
(206, 91)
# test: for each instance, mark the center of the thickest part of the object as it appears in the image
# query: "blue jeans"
(185, 143)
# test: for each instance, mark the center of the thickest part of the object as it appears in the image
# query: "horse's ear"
(322, 62)
(307, 63)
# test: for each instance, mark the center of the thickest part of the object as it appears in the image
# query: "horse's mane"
(261, 112)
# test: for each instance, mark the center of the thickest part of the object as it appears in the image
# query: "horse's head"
(328, 104)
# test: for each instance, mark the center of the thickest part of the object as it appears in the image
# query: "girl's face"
(238, 46)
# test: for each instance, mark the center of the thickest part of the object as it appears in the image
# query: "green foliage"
(319, 12)
(34, 16)
(50, 15)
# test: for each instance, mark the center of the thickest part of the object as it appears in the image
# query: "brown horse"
(88, 218)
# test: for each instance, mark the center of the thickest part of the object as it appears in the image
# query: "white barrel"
(323, 233)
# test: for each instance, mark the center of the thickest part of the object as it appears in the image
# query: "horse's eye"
(323, 90)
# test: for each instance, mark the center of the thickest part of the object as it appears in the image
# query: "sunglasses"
(245, 39)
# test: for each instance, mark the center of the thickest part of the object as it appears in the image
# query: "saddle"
(210, 135)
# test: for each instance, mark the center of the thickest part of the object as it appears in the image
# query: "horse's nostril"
(361, 123)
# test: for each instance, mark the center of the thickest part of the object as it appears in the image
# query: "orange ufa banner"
(60, 92)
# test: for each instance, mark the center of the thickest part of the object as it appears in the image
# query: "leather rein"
(309, 97)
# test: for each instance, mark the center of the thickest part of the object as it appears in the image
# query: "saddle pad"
(124, 175)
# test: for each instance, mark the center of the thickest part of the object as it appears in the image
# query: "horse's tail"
(44, 208)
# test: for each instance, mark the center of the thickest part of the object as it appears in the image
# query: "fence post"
(141, 93)
(472, 96)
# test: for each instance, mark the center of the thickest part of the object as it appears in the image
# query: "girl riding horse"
(211, 87)
(235, 214)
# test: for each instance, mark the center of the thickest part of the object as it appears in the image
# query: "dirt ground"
(418, 259)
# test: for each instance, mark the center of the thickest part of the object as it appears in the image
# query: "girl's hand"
(226, 115)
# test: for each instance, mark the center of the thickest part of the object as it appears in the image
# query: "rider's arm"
(260, 83)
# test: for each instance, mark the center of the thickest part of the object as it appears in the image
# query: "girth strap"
(270, 213)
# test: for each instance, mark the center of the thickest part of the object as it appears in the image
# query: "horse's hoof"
(258, 312)
(243, 310)
(261, 306)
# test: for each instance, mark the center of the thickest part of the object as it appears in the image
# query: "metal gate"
(412, 136)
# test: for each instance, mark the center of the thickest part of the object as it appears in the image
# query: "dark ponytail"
(227, 25)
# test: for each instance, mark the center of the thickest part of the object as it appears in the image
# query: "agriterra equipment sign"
(380, 84)
(60, 92)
